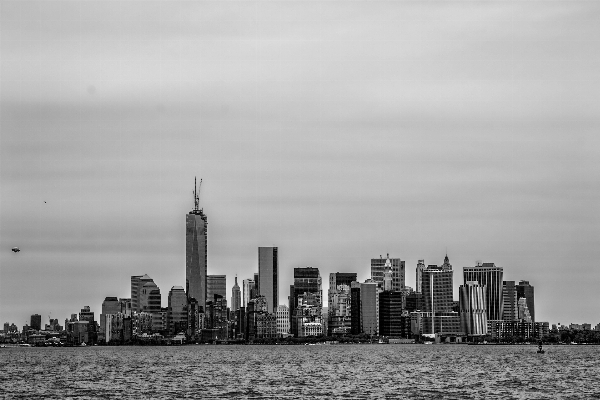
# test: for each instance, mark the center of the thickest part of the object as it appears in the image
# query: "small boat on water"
(540, 350)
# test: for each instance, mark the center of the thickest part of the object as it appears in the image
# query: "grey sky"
(337, 131)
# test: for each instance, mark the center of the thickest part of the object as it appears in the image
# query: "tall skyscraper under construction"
(196, 252)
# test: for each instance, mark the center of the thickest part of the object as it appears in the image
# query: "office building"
(380, 265)
(196, 252)
(283, 320)
(36, 322)
(419, 275)
(355, 317)
(216, 284)
(110, 305)
(236, 297)
(177, 311)
(437, 288)
(339, 303)
(306, 280)
(150, 299)
(268, 276)
(473, 316)
(509, 300)
(137, 283)
(525, 290)
(369, 300)
(390, 314)
(248, 286)
(490, 276)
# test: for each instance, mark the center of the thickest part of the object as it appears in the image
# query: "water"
(290, 372)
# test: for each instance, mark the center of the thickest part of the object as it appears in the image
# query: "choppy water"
(316, 372)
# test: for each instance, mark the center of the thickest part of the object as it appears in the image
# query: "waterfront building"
(390, 314)
(473, 315)
(368, 307)
(216, 284)
(177, 311)
(36, 322)
(419, 275)
(193, 318)
(78, 332)
(306, 281)
(490, 276)
(196, 252)
(260, 323)
(236, 296)
(283, 320)
(509, 300)
(447, 323)
(525, 290)
(248, 286)
(380, 265)
(355, 317)
(339, 303)
(266, 326)
(142, 323)
(268, 266)
(511, 330)
(110, 305)
(308, 315)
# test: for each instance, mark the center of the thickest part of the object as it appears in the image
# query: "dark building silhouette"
(196, 252)
(413, 302)
(355, 328)
(390, 314)
(509, 301)
(268, 266)
(36, 322)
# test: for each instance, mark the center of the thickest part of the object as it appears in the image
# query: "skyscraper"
(236, 297)
(419, 275)
(390, 314)
(196, 252)
(380, 265)
(267, 276)
(369, 299)
(248, 286)
(473, 317)
(437, 289)
(509, 301)
(525, 290)
(490, 276)
(306, 281)
(137, 283)
(36, 322)
(177, 311)
(216, 284)
(339, 302)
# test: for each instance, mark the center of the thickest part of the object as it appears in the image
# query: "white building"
(283, 320)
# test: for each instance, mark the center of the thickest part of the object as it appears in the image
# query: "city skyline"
(336, 134)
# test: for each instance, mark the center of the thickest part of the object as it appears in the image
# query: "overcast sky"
(338, 131)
